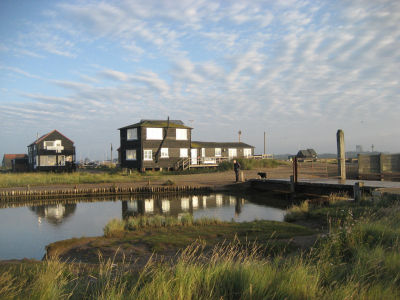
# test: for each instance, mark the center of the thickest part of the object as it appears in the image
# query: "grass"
(34, 179)
(114, 175)
(333, 205)
(358, 259)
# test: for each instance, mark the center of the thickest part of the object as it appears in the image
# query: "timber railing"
(89, 192)
(182, 164)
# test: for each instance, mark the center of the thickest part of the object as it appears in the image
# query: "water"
(26, 230)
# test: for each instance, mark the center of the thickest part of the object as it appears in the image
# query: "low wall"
(311, 188)
(379, 166)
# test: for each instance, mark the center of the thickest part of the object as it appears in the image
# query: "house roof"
(307, 153)
(46, 135)
(157, 123)
(198, 144)
(14, 156)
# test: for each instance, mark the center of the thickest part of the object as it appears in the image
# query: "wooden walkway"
(324, 186)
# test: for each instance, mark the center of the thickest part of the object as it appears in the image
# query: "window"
(164, 153)
(217, 151)
(147, 155)
(154, 134)
(181, 134)
(131, 154)
(183, 152)
(53, 145)
(203, 152)
(48, 160)
(131, 134)
(232, 152)
(247, 152)
(48, 144)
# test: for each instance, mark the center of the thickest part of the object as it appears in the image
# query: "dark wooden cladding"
(64, 158)
(175, 159)
(142, 143)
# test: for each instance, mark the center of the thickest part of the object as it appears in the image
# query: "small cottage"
(8, 160)
(52, 152)
(307, 154)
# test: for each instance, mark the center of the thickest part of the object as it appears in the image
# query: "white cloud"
(19, 71)
(300, 65)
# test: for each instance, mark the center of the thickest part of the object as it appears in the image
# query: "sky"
(298, 70)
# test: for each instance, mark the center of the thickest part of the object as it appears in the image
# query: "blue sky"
(298, 70)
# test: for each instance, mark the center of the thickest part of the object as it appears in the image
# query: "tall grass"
(307, 208)
(24, 179)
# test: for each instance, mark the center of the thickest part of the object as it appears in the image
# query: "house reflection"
(55, 213)
(175, 206)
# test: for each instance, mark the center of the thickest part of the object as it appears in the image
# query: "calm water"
(26, 230)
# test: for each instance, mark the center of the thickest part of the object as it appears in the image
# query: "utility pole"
(240, 133)
(264, 143)
(111, 152)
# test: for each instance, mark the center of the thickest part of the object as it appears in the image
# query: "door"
(193, 154)
(232, 153)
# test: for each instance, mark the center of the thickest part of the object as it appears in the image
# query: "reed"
(116, 226)
(34, 179)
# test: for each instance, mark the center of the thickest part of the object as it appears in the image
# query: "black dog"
(262, 175)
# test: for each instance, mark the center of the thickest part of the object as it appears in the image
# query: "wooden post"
(381, 166)
(292, 184)
(358, 191)
(295, 169)
(341, 157)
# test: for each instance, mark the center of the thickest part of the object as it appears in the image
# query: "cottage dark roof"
(307, 153)
(46, 135)
(197, 144)
(158, 123)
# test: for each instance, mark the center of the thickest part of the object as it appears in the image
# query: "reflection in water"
(218, 200)
(204, 201)
(55, 213)
(176, 207)
(25, 232)
(165, 206)
(195, 202)
(149, 206)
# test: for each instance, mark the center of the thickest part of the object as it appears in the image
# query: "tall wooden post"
(295, 169)
(264, 143)
(341, 157)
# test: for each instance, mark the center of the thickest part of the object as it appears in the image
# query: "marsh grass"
(116, 226)
(318, 208)
(34, 179)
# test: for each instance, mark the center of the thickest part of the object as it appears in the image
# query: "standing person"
(236, 168)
